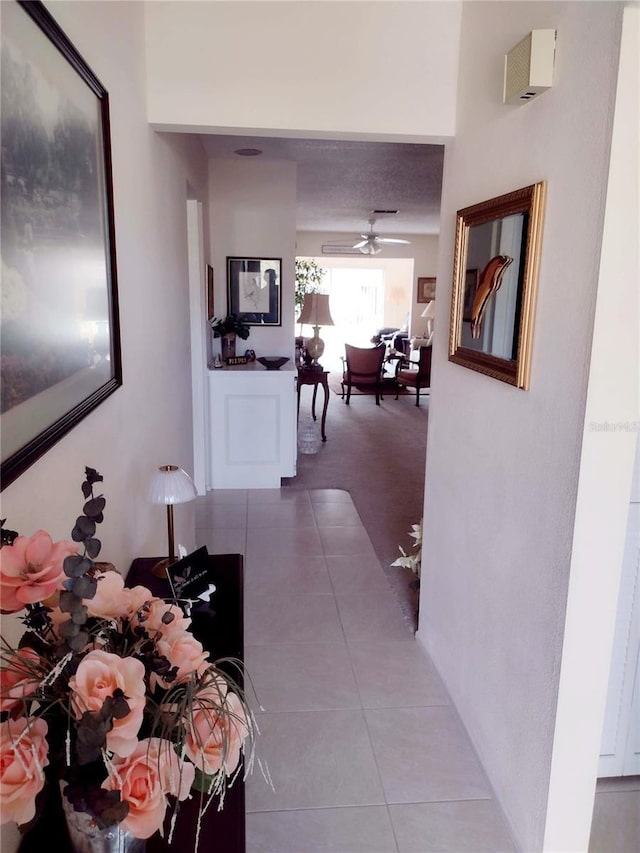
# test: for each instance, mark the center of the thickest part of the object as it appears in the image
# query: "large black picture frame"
(254, 290)
(60, 335)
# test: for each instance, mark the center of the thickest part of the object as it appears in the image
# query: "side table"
(309, 376)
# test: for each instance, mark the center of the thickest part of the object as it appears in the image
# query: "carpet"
(388, 388)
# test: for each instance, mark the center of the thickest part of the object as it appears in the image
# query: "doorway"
(364, 295)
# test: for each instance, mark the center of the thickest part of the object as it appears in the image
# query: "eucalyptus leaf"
(85, 587)
(94, 507)
(67, 601)
(84, 529)
(79, 614)
(68, 630)
(76, 565)
(92, 547)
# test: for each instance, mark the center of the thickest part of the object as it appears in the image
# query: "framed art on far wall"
(210, 304)
(253, 290)
(59, 332)
(426, 289)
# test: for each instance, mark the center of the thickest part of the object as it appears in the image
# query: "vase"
(87, 837)
(228, 346)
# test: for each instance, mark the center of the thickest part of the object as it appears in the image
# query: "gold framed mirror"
(495, 272)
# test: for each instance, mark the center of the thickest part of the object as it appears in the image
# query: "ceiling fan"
(371, 243)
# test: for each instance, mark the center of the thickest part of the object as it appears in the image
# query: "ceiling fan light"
(370, 248)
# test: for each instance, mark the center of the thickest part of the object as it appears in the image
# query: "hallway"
(366, 753)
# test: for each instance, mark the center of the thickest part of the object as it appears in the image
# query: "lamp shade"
(430, 311)
(171, 485)
(315, 311)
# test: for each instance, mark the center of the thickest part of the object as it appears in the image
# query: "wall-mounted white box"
(528, 67)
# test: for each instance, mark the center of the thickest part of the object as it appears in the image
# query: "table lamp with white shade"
(170, 485)
(315, 312)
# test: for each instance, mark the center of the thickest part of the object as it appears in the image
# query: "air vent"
(330, 249)
(383, 212)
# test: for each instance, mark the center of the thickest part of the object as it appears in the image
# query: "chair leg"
(417, 395)
(348, 393)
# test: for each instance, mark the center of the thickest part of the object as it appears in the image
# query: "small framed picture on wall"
(426, 289)
(253, 290)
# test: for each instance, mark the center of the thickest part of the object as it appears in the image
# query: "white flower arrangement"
(413, 560)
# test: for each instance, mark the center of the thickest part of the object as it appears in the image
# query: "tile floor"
(365, 751)
(616, 816)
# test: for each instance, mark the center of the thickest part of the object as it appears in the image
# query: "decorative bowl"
(272, 362)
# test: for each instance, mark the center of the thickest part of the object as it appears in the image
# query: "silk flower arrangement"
(108, 690)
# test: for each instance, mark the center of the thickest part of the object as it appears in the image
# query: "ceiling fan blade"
(392, 240)
(361, 244)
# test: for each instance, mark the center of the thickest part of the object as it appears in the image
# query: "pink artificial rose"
(216, 730)
(138, 597)
(20, 676)
(144, 779)
(31, 569)
(159, 617)
(113, 600)
(23, 755)
(183, 651)
(99, 675)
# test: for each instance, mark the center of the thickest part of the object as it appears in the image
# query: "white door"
(620, 748)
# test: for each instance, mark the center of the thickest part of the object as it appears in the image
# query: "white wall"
(378, 68)
(253, 215)
(612, 421)
(503, 464)
(146, 422)
(422, 249)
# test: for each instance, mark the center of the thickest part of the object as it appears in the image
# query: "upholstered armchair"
(363, 366)
(416, 378)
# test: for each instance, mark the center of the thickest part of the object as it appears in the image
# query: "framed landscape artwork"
(253, 290)
(59, 334)
(426, 289)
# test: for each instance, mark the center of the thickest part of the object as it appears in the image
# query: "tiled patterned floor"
(364, 749)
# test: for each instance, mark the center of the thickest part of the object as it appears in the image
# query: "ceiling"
(340, 183)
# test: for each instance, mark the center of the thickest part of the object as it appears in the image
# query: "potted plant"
(228, 328)
(309, 277)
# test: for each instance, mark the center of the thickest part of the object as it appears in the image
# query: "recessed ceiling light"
(248, 152)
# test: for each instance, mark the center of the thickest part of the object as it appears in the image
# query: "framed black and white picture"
(59, 333)
(254, 290)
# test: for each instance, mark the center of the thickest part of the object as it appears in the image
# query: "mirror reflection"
(497, 249)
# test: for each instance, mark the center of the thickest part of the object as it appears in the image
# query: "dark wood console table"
(220, 629)
(309, 376)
